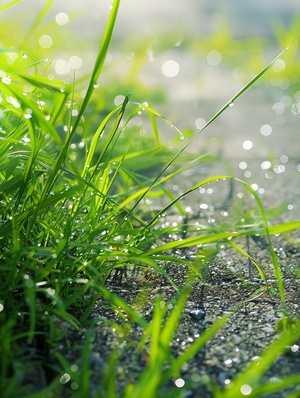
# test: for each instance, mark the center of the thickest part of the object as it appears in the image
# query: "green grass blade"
(8, 5)
(192, 350)
(258, 267)
(277, 270)
(284, 227)
(95, 139)
(166, 334)
(277, 386)
(119, 302)
(41, 16)
(99, 61)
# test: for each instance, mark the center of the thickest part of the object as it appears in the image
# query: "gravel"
(246, 334)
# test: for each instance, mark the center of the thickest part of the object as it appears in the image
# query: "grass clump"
(75, 209)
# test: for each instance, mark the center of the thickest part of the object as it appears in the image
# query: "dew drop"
(214, 58)
(246, 389)
(266, 130)
(170, 68)
(65, 378)
(179, 383)
(45, 41)
(61, 18)
(247, 145)
(75, 62)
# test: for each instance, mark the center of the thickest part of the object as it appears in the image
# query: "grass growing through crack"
(73, 210)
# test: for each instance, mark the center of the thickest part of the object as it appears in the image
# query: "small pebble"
(293, 351)
(197, 315)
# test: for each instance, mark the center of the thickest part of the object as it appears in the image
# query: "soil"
(245, 335)
(229, 281)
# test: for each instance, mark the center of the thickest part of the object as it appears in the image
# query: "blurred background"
(186, 59)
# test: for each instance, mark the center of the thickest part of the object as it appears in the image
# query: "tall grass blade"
(192, 350)
(41, 16)
(8, 5)
(99, 61)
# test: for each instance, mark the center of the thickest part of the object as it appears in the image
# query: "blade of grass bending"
(195, 187)
(6, 6)
(285, 227)
(161, 336)
(61, 92)
(227, 105)
(119, 302)
(258, 267)
(193, 241)
(276, 386)
(38, 115)
(189, 241)
(277, 271)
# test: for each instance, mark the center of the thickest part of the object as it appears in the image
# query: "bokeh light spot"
(170, 68)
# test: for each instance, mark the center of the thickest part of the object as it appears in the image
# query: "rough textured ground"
(247, 333)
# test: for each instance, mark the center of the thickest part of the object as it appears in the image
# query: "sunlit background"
(187, 59)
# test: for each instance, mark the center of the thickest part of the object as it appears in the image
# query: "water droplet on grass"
(200, 123)
(246, 389)
(65, 378)
(179, 383)
(214, 58)
(266, 130)
(75, 62)
(278, 169)
(295, 108)
(266, 165)
(243, 165)
(247, 145)
(170, 68)
(6, 79)
(119, 99)
(61, 18)
(278, 66)
(284, 158)
(45, 41)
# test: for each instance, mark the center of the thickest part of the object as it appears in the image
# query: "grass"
(73, 200)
